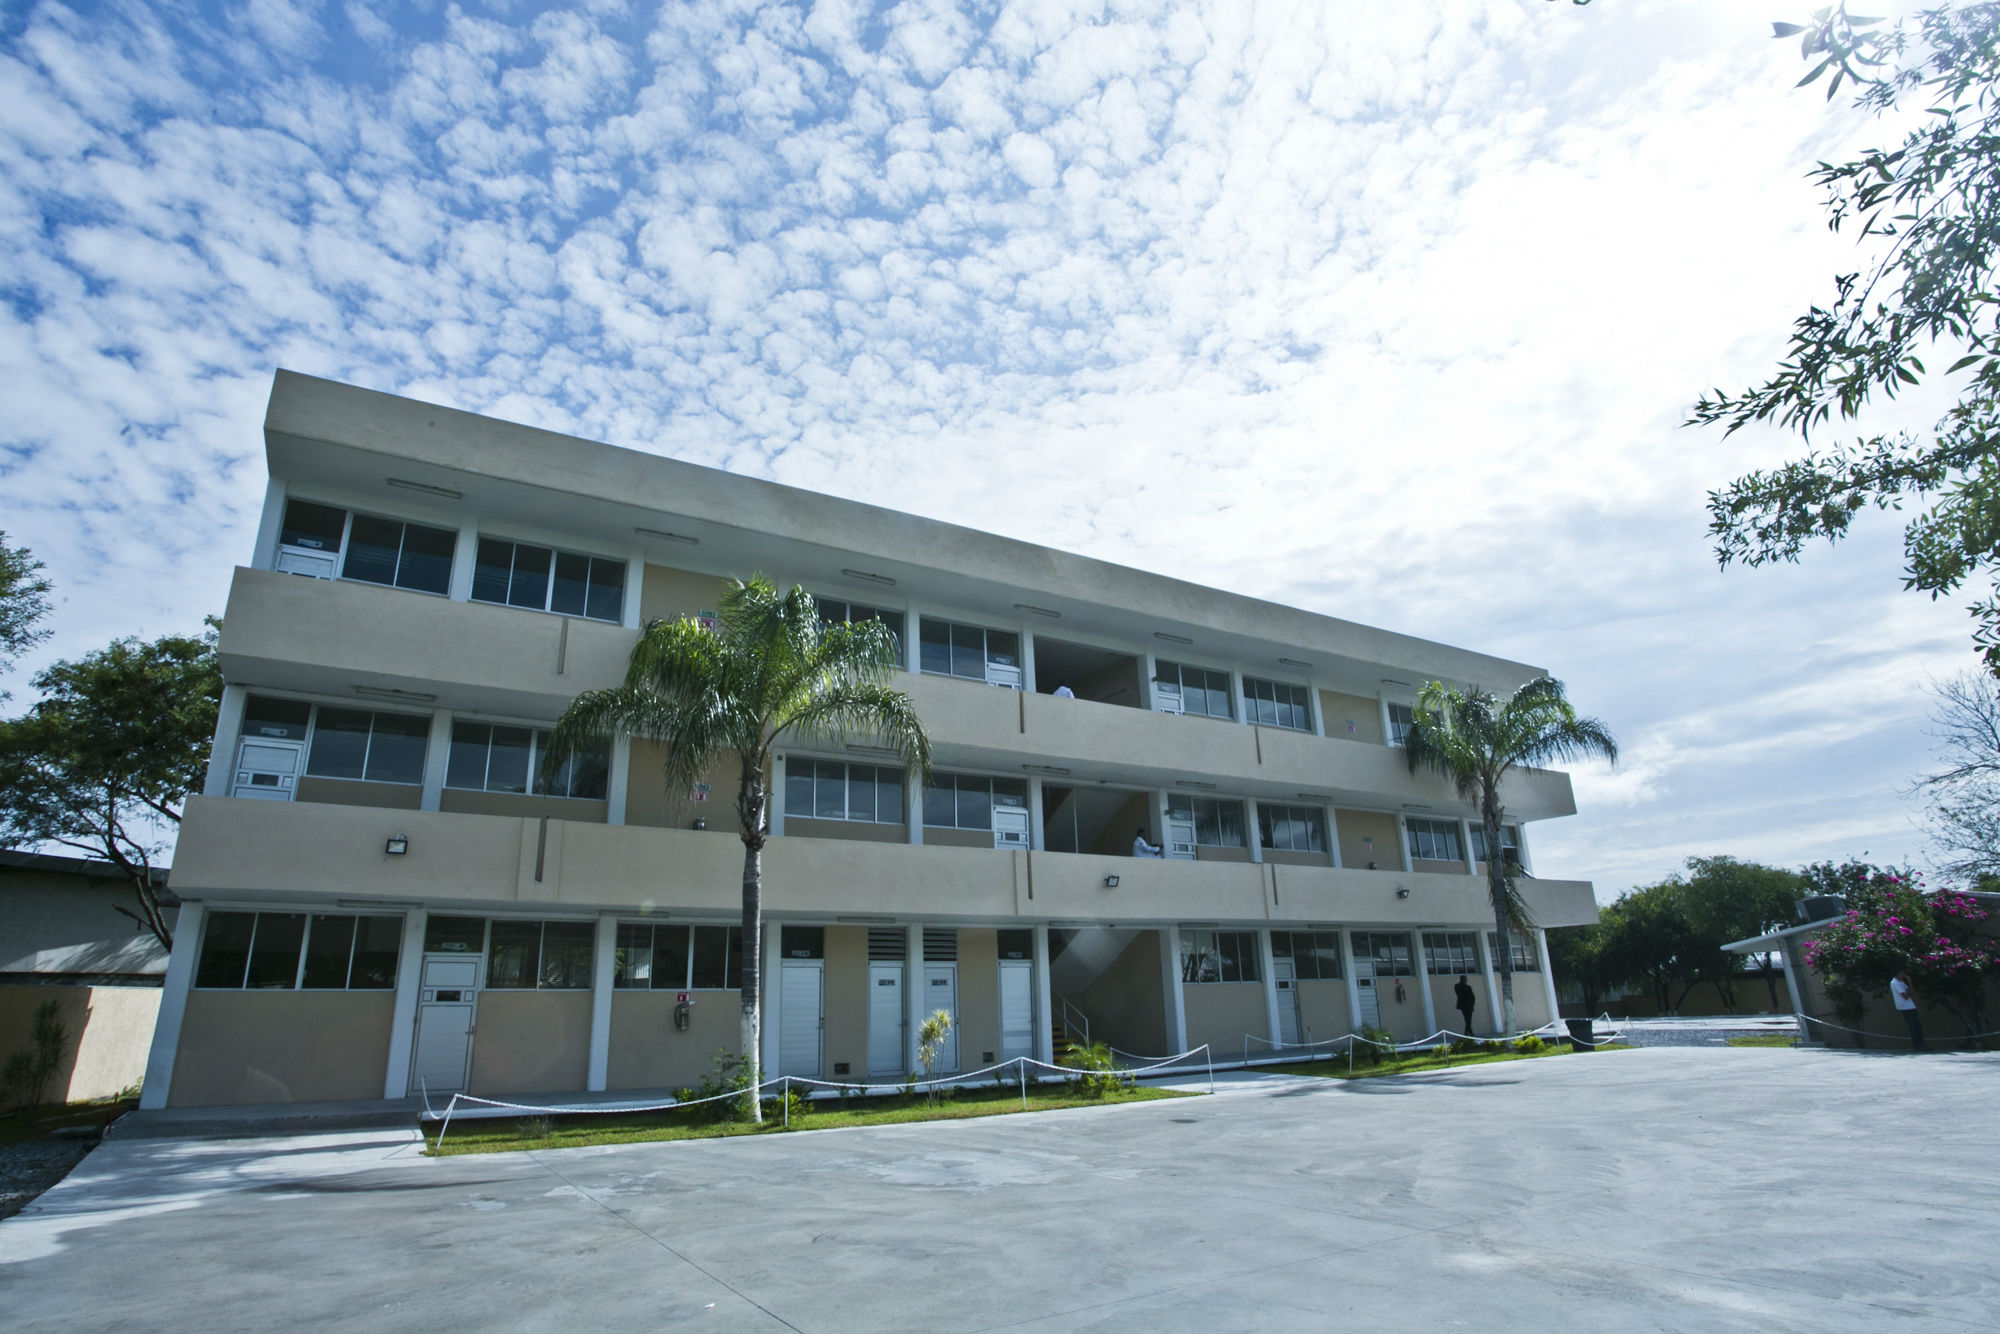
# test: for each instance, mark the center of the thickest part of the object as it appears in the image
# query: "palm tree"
(1474, 738)
(769, 670)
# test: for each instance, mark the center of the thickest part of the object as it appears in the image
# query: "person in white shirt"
(1140, 847)
(1906, 1006)
(1062, 691)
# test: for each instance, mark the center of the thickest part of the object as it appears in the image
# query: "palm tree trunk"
(1496, 888)
(751, 809)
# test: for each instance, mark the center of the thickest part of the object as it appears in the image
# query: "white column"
(1422, 965)
(1382, 702)
(403, 1014)
(1332, 818)
(173, 1007)
(1151, 669)
(1253, 833)
(1170, 976)
(1521, 838)
(1353, 987)
(1028, 681)
(913, 639)
(464, 559)
(1036, 841)
(1493, 1014)
(603, 975)
(618, 781)
(437, 756)
(1277, 1032)
(913, 807)
(1158, 833)
(776, 804)
(221, 777)
(1045, 1029)
(913, 994)
(270, 523)
(1315, 710)
(1548, 975)
(1465, 846)
(635, 588)
(1402, 843)
(1238, 704)
(767, 1061)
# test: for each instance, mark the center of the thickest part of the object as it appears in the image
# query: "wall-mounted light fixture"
(426, 488)
(666, 536)
(865, 577)
(1037, 611)
(396, 846)
(1402, 893)
(1111, 882)
(1172, 639)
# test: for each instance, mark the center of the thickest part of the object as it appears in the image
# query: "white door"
(885, 1019)
(1180, 838)
(1017, 1008)
(1364, 987)
(267, 770)
(941, 993)
(800, 1018)
(1283, 972)
(446, 1010)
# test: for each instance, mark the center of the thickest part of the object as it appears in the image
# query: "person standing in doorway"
(1906, 1006)
(1141, 847)
(1462, 993)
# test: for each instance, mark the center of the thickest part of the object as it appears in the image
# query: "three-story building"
(382, 892)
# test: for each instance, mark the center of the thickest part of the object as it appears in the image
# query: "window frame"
(987, 658)
(792, 776)
(555, 554)
(1510, 852)
(1244, 955)
(368, 750)
(541, 959)
(1457, 945)
(308, 919)
(1319, 941)
(1527, 958)
(847, 617)
(623, 977)
(1434, 829)
(957, 778)
(1226, 690)
(1252, 699)
(1193, 804)
(345, 545)
(1315, 821)
(1399, 726)
(1406, 967)
(537, 744)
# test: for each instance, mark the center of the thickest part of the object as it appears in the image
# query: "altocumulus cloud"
(1387, 312)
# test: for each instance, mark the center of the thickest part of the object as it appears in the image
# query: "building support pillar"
(1270, 959)
(188, 924)
(913, 996)
(767, 1032)
(1421, 963)
(1176, 1002)
(603, 977)
(221, 776)
(403, 1013)
(1045, 1027)
(1548, 974)
(1495, 1016)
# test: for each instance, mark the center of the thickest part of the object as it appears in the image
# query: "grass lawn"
(1764, 1040)
(541, 1132)
(1409, 1063)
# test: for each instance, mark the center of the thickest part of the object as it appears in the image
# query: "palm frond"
(864, 709)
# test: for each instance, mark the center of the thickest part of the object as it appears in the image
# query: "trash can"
(1580, 1038)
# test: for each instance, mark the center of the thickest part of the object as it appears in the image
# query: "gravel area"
(29, 1167)
(1704, 1032)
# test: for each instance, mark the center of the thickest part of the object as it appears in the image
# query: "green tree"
(768, 671)
(1962, 799)
(24, 601)
(1726, 900)
(1658, 942)
(1927, 215)
(1473, 738)
(107, 757)
(1592, 957)
(1891, 925)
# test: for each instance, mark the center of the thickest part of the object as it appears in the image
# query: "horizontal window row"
(1315, 955)
(279, 951)
(328, 542)
(836, 790)
(492, 757)
(1448, 953)
(679, 957)
(966, 801)
(1219, 956)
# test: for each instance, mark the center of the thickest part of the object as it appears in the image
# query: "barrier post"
(785, 1092)
(1021, 1073)
(447, 1122)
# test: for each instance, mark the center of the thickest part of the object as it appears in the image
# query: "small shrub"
(533, 1127)
(27, 1073)
(730, 1074)
(781, 1110)
(1529, 1045)
(1098, 1074)
(1375, 1046)
(930, 1044)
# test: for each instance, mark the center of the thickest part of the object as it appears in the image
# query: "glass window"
(632, 958)
(1219, 956)
(1203, 691)
(1527, 959)
(966, 801)
(861, 792)
(372, 548)
(407, 555)
(568, 583)
(833, 790)
(454, 935)
(378, 945)
(1450, 953)
(1433, 840)
(1510, 843)
(339, 744)
(225, 949)
(584, 774)
(835, 611)
(568, 950)
(802, 942)
(487, 757)
(507, 759)
(286, 719)
(1390, 951)
(1276, 704)
(426, 559)
(514, 954)
(964, 651)
(396, 746)
(670, 957)
(1401, 719)
(380, 747)
(1315, 955)
(1015, 943)
(1218, 822)
(328, 954)
(718, 958)
(317, 527)
(1292, 828)
(934, 647)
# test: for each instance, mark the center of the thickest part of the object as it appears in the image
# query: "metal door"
(1017, 1008)
(1180, 837)
(447, 1009)
(267, 770)
(885, 1019)
(941, 993)
(1364, 988)
(1283, 972)
(800, 1017)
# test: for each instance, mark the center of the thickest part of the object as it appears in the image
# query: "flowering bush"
(1892, 925)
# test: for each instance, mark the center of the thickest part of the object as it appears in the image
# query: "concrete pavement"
(1684, 1189)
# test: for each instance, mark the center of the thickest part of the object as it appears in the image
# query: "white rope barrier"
(1433, 1040)
(1020, 1065)
(1892, 1037)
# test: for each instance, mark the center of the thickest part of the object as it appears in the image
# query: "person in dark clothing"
(1462, 993)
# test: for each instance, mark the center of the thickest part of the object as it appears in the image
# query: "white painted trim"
(618, 781)
(635, 588)
(913, 993)
(913, 809)
(220, 778)
(1347, 971)
(1240, 704)
(1036, 841)
(1028, 681)
(767, 1034)
(603, 974)
(1276, 1033)
(403, 1015)
(1150, 669)
(1421, 962)
(1253, 833)
(1170, 974)
(436, 760)
(464, 560)
(913, 644)
(1045, 1030)
(1521, 846)
(188, 925)
(1403, 845)
(270, 522)
(1465, 846)
(1332, 818)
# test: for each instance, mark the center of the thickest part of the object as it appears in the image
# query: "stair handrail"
(1074, 1018)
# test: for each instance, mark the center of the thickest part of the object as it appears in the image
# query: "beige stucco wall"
(109, 1032)
(1353, 826)
(531, 1042)
(1221, 1013)
(847, 831)
(669, 594)
(1485, 1015)
(1531, 1000)
(1404, 1018)
(1240, 856)
(281, 1046)
(955, 838)
(1286, 857)
(845, 988)
(647, 1052)
(1125, 1004)
(978, 997)
(1115, 839)
(1366, 715)
(354, 792)
(647, 801)
(1323, 1010)
(520, 804)
(1436, 866)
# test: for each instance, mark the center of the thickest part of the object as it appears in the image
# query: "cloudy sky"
(1389, 311)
